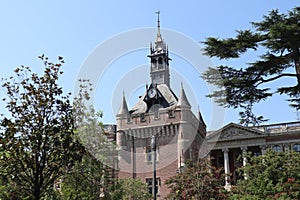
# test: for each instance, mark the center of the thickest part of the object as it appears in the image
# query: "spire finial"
(158, 25)
(158, 21)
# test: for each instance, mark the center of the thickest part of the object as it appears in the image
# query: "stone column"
(227, 169)
(286, 147)
(263, 149)
(209, 160)
(244, 154)
(244, 150)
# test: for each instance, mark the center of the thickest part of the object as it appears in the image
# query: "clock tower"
(159, 113)
(159, 59)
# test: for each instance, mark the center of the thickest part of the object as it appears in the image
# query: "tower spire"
(159, 64)
(158, 37)
(158, 23)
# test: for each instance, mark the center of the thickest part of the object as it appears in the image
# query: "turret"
(123, 111)
(183, 102)
(123, 115)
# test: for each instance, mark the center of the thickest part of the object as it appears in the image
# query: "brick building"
(159, 112)
(180, 133)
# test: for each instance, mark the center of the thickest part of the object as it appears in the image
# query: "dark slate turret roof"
(183, 101)
(123, 108)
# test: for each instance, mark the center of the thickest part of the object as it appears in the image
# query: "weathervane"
(157, 12)
(158, 23)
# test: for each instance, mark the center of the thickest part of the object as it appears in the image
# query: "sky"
(87, 33)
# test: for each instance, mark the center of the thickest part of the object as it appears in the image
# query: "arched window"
(148, 154)
(277, 148)
(160, 60)
(296, 147)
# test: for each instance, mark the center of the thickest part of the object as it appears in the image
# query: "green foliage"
(242, 87)
(91, 176)
(272, 176)
(129, 188)
(90, 130)
(37, 138)
(84, 181)
(197, 181)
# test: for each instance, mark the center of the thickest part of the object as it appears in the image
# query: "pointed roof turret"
(200, 118)
(182, 100)
(123, 108)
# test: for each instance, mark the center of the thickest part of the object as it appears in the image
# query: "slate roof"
(183, 101)
(164, 91)
(123, 108)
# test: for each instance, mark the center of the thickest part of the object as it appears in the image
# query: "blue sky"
(74, 29)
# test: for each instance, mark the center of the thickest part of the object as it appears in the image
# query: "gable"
(235, 132)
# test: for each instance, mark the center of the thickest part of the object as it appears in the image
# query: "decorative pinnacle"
(123, 108)
(182, 100)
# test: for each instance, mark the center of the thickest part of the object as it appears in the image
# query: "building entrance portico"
(231, 159)
(231, 144)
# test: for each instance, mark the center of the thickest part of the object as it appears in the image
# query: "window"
(256, 153)
(171, 113)
(277, 148)
(160, 60)
(296, 147)
(142, 117)
(157, 185)
(156, 115)
(148, 154)
(220, 160)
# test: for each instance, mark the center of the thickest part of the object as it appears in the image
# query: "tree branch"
(274, 78)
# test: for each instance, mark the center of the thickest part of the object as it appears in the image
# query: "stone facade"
(232, 141)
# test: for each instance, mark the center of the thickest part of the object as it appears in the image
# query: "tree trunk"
(298, 73)
(37, 193)
(297, 66)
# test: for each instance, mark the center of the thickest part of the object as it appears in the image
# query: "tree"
(38, 142)
(84, 181)
(271, 176)
(197, 181)
(129, 188)
(90, 177)
(241, 87)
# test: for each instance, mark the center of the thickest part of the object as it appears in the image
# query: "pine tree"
(241, 87)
